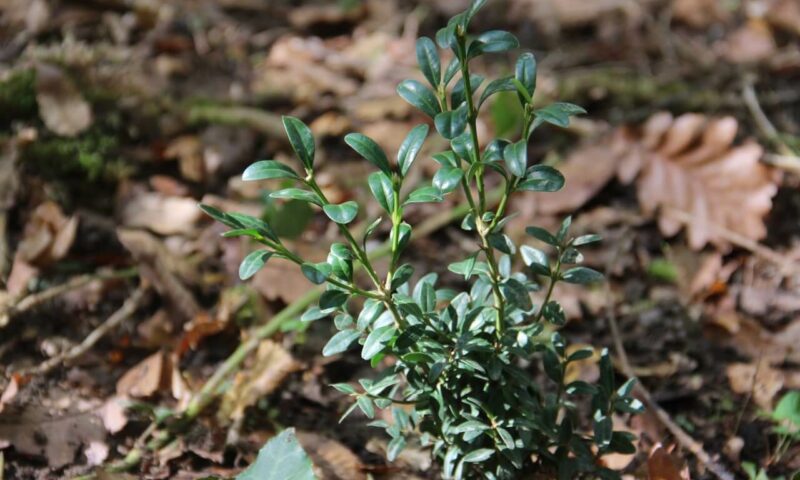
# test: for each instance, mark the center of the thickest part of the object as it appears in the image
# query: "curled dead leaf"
(663, 464)
(61, 105)
(162, 214)
(145, 378)
(331, 459)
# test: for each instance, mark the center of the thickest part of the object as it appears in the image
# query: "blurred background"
(118, 116)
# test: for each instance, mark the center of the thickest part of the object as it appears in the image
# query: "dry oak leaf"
(61, 105)
(688, 170)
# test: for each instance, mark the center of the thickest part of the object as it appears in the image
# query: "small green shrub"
(461, 377)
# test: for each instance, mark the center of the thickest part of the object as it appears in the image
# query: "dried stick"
(34, 299)
(125, 311)
(762, 121)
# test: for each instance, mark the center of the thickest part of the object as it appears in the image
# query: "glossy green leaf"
(459, 95)
(451, 123)
(582, 275)
(463, 147)
(252, 263)
(502, 243)
(377, 340)
(253, 223)
(451, 70)
(282, 458)
(446, 36)
(317, 273)
(553, 312)
(297, 194)
(420, 96)
(603, 429)
(542, 234)
(220, 216)
(535, 259)
(367, 148)
(424, 195)
(268, 169)
(342, 213)
(345, 388)
(525, 74)
(504, 84)
(447, 179)
(331, 299)
(586, 239)
(366, 406)
(464, 267)
(340, 259)
(556, 113)
(516, 294)
(479, 455)
(542, 178)
(428, 60)
(410, 147)
(340, 342)
(493, 41)
(401, 275)
(516, 157)
(301, 139)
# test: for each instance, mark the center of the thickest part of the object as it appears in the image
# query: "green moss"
(18, 97)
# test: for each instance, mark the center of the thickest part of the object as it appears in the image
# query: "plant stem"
(553, 280)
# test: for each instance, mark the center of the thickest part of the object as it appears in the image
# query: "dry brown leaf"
(161, 214)
(36, 431)
(785, 14)
(574, 13)
(272, 364)
(331, 459)
(113, 415)
(145, 378)
(760, 380)
(188, 150)
(689, 165)
(662, 464)
(700, 13)
(753, 42)
(61, 105)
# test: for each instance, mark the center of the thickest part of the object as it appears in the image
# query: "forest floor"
(120, 300)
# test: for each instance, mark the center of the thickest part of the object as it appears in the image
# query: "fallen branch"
(267, 123)
(26, 303)
(762, 121)
(125, 311)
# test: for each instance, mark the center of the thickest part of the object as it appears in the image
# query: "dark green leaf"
(297, 194)
(493, 41)
(332, 299)
(410, 148)
(428, 60)
(542, 178)
(341, 261)
(446, 36)
(452, 68)
(554, 313)
(563, 229)
(420, 96)
(377, 340)
(477, 456)
(317, 273)
(424, 195)
(365, 404)
(242, 232)
(542, 234)
(581, 354)
(603, 429)
(504, 84)
(367, 148)
(464, 267)
(525, 74)
(343, 213)
(469, 426)
(516, 157)
(294, 464)
(582, 275)
(452, 123)
(586, 239)
(371, 229)
(556, 113)
(401, 275)
(516, 294)
(314, 313)
(447, 179)
(396, 445)
(446, 159)
(502, 242)
(252, 263)
(459, 94)
(340, 342)
(535, 259)
(220, 216)
(494, 151)
(622, 442)
(301, 139)
(267, 169)
(345, 388)
(463, 147)
(552, 366)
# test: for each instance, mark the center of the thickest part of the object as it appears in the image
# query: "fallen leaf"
(689, 165)
(113, 413)
(35, 431)
(663, 465)
(760, 380)
(700, 13)
(11, 391)
(188, 150)
(145, 378)
(332, 460)
(272, 364)
(751, 43)
(785, 14)
(160, 213)
(61, 105)
(96, 453)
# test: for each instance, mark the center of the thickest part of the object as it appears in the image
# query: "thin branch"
(32, 300)
(125, 311)
(762, 121)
